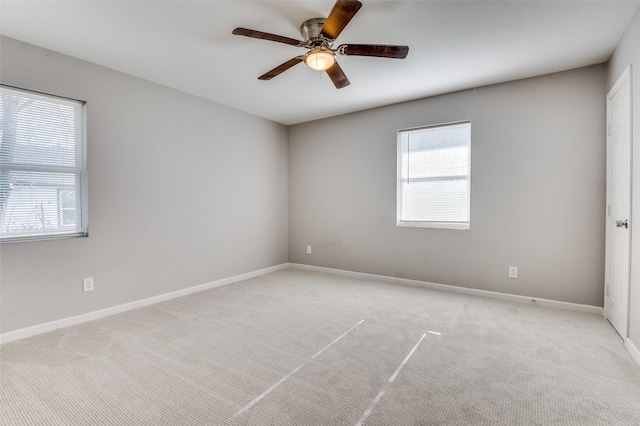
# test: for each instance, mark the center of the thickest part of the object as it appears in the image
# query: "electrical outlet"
(308, 249)
(87, 284)
(513, 272)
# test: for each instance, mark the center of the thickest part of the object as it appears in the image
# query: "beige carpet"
(307, 348)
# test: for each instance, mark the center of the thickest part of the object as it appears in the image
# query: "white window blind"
(434, 176)
(42, 166)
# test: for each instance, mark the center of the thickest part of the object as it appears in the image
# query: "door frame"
(624, 78)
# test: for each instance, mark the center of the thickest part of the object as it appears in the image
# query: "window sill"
(43, 237)
(441, 225)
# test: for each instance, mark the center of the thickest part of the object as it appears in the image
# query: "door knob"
(621, 223)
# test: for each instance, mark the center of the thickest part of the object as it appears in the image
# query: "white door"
(618, 226)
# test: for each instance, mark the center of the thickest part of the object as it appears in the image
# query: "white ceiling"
(454, 45)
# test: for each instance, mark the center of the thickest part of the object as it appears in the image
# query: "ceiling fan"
(319, 35)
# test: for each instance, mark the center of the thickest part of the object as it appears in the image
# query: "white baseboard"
(633, 350)
(90, 316)
(463, 290)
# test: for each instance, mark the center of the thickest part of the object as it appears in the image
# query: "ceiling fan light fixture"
(319, 34)
(320, 59)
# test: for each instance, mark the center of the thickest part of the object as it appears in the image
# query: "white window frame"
(79, 170)
(459, 225)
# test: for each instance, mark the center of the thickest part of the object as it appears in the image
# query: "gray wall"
(182, 192)
(537, 201)
(538, 161)
(628, 52)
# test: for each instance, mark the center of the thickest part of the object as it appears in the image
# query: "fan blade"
(339, 17)
(266, 36)
(281, 68)
(379, 50)
(338, 76)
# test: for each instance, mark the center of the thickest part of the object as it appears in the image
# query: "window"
(433, 176)
(42, 166)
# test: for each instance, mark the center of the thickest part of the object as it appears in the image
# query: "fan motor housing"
(311, 29)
